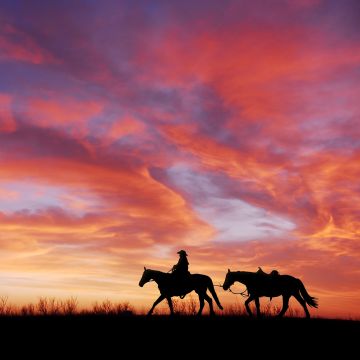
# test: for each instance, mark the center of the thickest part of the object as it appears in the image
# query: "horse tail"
(213, 293)
(311, 301)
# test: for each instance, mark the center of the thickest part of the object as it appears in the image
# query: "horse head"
(229, 280)
(146, 277)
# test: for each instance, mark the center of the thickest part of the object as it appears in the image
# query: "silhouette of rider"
(180, 270)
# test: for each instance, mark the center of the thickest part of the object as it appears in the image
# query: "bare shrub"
(28, 310)
(293, 312)
(5, 308)
(124, 308)
(69, 306)
(48, 306)
(108, 308)
(191, 306)
(103, 308)
(3, 305)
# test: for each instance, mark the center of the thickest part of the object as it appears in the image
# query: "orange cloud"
(129, 193)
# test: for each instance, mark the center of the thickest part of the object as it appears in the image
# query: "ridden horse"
(169, 287)
(261, 284)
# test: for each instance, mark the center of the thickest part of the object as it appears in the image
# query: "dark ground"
(179, 336)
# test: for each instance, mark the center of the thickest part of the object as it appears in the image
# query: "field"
(206, 336)
(181, 334)
(109, 328)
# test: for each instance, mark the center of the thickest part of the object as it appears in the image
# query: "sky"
(131, 130)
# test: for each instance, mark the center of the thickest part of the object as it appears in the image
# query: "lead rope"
(242, 293)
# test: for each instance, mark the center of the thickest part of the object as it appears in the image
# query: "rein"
(165, 273)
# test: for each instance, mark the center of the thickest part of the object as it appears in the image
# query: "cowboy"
(181, 273)
(181, 269)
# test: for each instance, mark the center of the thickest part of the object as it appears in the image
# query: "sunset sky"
(132, 129)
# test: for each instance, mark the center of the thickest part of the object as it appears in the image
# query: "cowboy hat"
(182, 252)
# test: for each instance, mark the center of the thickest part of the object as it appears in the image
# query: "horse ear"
(228, 270)
(144, 268)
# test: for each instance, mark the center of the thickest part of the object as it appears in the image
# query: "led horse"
(261, 284)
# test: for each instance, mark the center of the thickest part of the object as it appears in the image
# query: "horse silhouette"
(262, 284)
(169, 287)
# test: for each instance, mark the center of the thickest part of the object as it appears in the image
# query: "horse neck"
(157, 276)
(243, 276)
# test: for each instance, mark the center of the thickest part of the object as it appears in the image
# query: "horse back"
(193, 282)
(268, 285)
(288, 278)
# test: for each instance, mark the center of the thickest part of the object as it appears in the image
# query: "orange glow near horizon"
(230, 130)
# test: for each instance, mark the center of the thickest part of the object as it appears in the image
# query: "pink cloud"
(53, 112)
(7, 120)
(126, 126)
(19, 46)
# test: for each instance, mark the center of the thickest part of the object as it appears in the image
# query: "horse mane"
(158, 272)
(245, 272)
(152, 270)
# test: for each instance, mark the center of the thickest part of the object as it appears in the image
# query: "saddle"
(269, 277)
(272, 274)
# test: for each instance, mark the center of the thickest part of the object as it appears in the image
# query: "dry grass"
(5, 308)
(108, 308)
(267, 310)
(187, 307)
(54, 307)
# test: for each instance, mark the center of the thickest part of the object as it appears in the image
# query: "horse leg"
(257, 303)
(201, 299)
(249, 300)
(285, 305)
(168, 298)
(209, 300)
(159, 299)
(303, 304)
